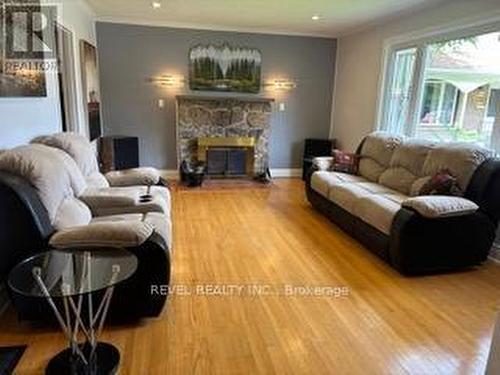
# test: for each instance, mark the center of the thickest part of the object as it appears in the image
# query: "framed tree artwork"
(92, 95)
(224, 68)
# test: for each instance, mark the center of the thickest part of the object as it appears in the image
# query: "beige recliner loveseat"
(40, 188)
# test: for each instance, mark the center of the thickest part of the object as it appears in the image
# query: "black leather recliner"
(26, 230)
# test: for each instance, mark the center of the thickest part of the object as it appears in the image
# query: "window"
(399, 93)
(446, 91)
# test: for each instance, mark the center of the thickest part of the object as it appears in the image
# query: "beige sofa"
(392, 170)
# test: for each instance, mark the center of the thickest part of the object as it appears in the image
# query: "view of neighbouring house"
(459, 95)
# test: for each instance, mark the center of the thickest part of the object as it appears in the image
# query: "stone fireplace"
(230, 135)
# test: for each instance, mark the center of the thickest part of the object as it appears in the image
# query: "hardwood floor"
(271, 238)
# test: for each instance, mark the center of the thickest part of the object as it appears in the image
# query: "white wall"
(360, 59)
(21, 119)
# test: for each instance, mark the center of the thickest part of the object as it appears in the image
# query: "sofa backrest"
(82, 152)
(376, 153)
(461, 159)
(56, 178)
(405, 168)
(406, 165)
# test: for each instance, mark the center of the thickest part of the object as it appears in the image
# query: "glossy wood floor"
(387, 324)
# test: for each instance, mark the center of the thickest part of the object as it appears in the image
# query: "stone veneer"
(223, 117)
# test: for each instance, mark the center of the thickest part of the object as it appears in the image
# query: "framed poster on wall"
(91, 91)
(22, 68)
(224, 68)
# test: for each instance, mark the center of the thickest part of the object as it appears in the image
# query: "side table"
(72, 276)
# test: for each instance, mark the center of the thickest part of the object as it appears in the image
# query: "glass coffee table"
(73, 276)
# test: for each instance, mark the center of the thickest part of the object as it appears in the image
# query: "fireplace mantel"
(250, 99)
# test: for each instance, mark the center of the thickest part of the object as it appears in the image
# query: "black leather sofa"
(413, 243)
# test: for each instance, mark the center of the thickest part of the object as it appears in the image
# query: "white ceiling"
(337, 17)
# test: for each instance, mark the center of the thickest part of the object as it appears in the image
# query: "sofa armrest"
(134, 176)
(103, 234)
(440, 206)
(484, 188)
(323, 163)
(105, 198)
(420, 245)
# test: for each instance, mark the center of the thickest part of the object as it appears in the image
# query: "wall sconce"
(281, 85)
(168, 80)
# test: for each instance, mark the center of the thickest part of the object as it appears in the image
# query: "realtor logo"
(29, 31)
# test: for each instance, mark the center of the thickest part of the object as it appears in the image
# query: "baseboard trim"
(286, 172)
(495, 253)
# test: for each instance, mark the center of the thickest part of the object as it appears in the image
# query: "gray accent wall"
(130, 54)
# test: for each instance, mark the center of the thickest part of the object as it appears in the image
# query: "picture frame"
(91, 88)
(225, 68)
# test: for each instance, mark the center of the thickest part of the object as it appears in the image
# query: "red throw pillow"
(345, 162)
(441, 183)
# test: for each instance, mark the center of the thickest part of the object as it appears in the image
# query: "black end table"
(73, 275)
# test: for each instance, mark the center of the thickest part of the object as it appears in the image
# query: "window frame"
(420, 42)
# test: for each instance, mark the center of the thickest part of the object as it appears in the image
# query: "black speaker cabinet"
(314, 148)
(119, 152)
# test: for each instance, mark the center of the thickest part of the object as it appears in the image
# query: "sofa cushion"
(50, 171)
(160, 222)
(97, 180)
(160, 191)
(375, 188)
(461, 159)
(103, 234)
(157, 204)
(77, 146)
(127, 199)
(406, 165)
(346, 195)
(321, 181)
(109, 197)
(134, 176)
(71, 213)
(379, 210)
(376, 153)
(76, 178)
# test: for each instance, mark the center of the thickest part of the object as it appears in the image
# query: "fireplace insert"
(227, 162)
